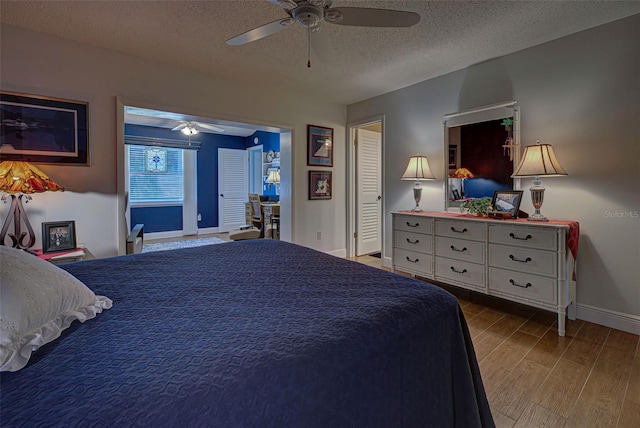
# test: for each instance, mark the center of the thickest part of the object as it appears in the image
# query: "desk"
(269, 210)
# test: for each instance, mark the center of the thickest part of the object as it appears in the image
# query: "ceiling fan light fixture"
(307, 15)
(189, 130)
(287, 22)
(317, 3)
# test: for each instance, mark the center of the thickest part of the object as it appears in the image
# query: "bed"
(259, 333)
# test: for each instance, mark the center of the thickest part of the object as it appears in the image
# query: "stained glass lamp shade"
(18, 180)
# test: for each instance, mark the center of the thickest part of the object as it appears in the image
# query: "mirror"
(481, 146)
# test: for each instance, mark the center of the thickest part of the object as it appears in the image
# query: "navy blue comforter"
(256, 333)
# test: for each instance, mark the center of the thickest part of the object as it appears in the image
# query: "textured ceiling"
(451, 35)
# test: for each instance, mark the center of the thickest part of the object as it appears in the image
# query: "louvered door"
(233, 184)
(369, 192)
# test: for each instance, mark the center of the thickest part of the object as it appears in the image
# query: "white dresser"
(522, 261)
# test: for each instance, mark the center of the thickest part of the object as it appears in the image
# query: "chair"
(135, 240)
(256, 212)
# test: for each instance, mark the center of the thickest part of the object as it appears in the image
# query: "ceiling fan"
(312, 13)
(191, 128)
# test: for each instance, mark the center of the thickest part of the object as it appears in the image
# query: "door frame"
(351, 183)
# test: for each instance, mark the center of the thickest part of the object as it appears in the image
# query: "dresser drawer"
(523, 285)
(460, 271)
(530, 237)
(413, 223)
(413, 241)
(461, 229)
(413, 262)
(523, 259)
(460, 249)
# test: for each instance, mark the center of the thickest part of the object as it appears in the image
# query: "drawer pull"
(527, 285)
(460, 251)
(413, 242)
(412, 261)
(458, 271)
(527, 260)
(413, 225)
(453, 229)
(526, 238)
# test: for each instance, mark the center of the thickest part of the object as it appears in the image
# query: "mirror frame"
(477, 115)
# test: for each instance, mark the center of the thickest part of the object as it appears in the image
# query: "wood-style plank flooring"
(534, 378)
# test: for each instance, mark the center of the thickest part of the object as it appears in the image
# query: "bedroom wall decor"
(505, 204)
(319, 146)
(43, 129)
(58, 236)
(320, 183)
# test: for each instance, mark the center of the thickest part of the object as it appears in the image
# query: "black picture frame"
(456, 194)
(58, 236)
(506, 203)
(45, 130)
(453, 157)
(319, 146)
(320, 184)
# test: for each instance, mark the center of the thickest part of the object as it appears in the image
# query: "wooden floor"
(534, 378)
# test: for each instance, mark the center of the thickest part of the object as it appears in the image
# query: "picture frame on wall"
(58, 236)
(41, 129)
(319, 146)
(320, 185)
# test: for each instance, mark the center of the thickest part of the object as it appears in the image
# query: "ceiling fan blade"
(210, 127)
(367, 17)
(260, 32)
(322, 46)
(179, 127)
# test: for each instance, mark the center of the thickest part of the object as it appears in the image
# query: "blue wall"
(162, 219)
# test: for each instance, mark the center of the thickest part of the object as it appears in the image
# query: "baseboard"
(208, 230)
(612, 319)
(338, 253)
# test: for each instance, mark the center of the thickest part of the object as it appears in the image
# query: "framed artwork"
(43, 129)
(320, 184)
(453, 156)
(58, 236)
(506, 203)
(319, 146)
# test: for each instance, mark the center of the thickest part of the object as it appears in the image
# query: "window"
(155, 175)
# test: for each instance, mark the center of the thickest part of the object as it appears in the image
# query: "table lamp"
(18, 179)
(418, 170)
(538, 161)
(274, 178)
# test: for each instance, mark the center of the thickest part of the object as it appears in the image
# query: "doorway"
(366, 201)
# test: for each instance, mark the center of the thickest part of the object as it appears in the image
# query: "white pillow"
(38, 300)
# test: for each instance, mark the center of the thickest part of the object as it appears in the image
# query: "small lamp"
(274, 178)
(18, 179)
(538, 161)
(462, 174)
(418, 170)
(189, 130)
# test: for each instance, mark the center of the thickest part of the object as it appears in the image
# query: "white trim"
(609, 318)
(190, 183)
(163, 235)
(208, 230)
(342, 253)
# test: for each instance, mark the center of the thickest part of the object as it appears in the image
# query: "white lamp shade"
(537, 161)
(418, 169)
(274, 177)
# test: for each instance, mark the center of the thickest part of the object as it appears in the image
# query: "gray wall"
(582, 95)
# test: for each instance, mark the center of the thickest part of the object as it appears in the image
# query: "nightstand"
(61, 257)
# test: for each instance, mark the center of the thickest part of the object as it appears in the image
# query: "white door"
(232, 188)
(255, 169)
(368, 192)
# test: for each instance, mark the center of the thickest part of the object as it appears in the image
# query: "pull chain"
(308, 47)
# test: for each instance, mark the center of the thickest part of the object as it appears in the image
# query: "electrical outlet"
(318, 235)
(199, 217)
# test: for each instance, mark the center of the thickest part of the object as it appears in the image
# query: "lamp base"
(537, 217)
(18, 215)
(537, 197)
(417, 195)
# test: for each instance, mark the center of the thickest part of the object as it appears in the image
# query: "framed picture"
(320, 184)
(58, 236)
(319, 146)
(456, 194)
(506, 203)
(453, 156)
(43, 129)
